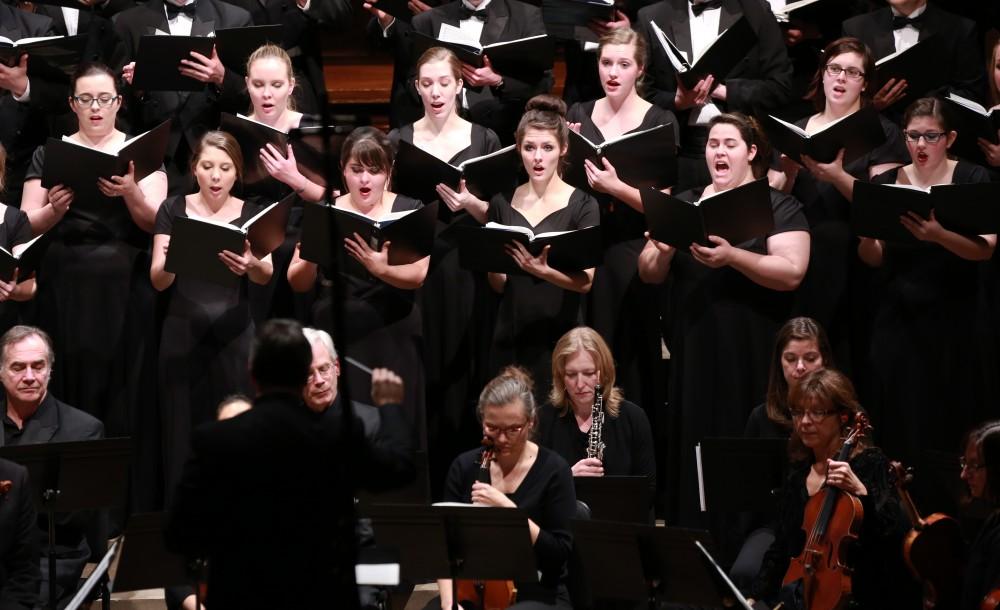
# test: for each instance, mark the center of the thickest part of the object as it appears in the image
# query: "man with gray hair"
(31, 415)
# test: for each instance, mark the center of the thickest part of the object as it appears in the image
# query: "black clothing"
(307, 463)
(982, 571)
(759, 425)
(14, 229)
(19, 575)
(722, 328)
(956, 40)
(547, 497)
(534, 313)
(80, 537)
(204, 349)
(928, 350)
(192, 113)
(501, 108)
(874, 556)
(628, 441)
(620, 306)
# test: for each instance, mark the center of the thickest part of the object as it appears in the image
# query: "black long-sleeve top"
(875, 556)
(547, 497)
(982, 572)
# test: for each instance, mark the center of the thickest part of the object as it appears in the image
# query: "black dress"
(547, 497)
(620, 306)
(382, 329)
(204, 350)
(534, 313)
(927, 351)
(722, 328)
(875, 556)
(982, 573)
(628, 440)
(14, 229)
(96, 302)
(458, 309)
(836, 288)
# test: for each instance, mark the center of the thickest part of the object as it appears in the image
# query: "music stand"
(457, 541)
(741, 474)
(145, 562)
(74, 476)
(621, 579)
(624, 499)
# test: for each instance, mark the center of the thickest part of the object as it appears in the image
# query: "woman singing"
(208, 329)
(522, 475)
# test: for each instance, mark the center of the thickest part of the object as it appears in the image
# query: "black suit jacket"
(95, 24)
(759, 83)
(262, 497)
(19, 573)
(956, 40)
(193, 113)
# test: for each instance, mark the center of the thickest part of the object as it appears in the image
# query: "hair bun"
(518, 373)
(547, 103)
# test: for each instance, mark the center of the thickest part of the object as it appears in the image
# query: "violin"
(991, 601)
(832, 520)
(485, 594)
(933, 549)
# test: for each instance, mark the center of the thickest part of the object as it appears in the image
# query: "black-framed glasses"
(970, 466)
(931, 137)
(104, 99)
(851, 72)
(814, 414)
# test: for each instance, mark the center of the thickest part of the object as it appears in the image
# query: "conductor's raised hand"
(375, 261)
(387, 387)
(204, 69)
(588, 467)
(485, 494)
(120, 186)
(7, 288)
(537, 266)
(715, 256)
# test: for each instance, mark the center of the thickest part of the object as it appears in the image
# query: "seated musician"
(981, 590)
(19, 574)
(823, 407)
(522, 475)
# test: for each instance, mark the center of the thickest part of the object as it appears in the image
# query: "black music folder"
(923, 66)
(576, 12)
(972, 121)
(964, 208)
(195, 242)
(740, 474)
(857, 133)
(252, 136)
(28, 256)
(646, 158)
(78, 166)
(483, 248)
(524, 56)
(416, 173)
(809, 11)
(718, 59)
(396, 8)
(158, 60)
(624, 499)
(235, 45)
(311, 145)
(737, 215)
(48, 56)
(325, 227)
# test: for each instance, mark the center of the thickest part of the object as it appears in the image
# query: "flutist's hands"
(387, 387)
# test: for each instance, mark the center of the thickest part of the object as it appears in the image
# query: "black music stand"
(741, 474)
(625, 499)
(74, 476)
(145, 562)
(457, 542)
(621, 579)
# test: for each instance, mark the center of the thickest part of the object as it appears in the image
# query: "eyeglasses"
(931, 137)
(508, 431)
(325, 371)
(104, 99)
(970, 466)
(852, 73)
(814, 415)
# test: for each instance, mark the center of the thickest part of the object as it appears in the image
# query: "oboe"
(595, 440)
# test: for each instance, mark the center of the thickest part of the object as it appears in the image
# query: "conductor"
(262, 495)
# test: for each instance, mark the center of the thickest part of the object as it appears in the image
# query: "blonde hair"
(434, 54)
(585, 339)
(628, 36)
(224, 142)
(272, 51)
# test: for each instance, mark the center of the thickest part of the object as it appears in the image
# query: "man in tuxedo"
(25, 101)
(19, 576)
(91, 18)
(267, 496)
(193, 113)
(760, 83)
(31, 415)
(494, 100)
(901, 25)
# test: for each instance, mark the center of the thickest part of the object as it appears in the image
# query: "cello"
(933, 549)
(831, 520)
(485, 594)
